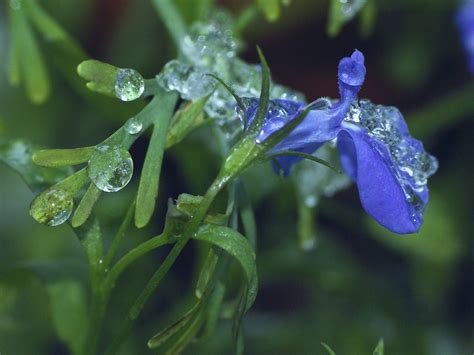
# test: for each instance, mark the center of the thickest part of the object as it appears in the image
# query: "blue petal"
(367, 162)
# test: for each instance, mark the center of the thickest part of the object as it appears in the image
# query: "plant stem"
(155, 280)
(134, 254)
(119, 236)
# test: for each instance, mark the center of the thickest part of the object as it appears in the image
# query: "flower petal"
(380, 192)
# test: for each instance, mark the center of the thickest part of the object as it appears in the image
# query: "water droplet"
(309, 244)
(129, 85)
(15, 5)
(210, 45)
(311, 201)
(52, 207)
(133, 126)
(110, 168)
(349, 8)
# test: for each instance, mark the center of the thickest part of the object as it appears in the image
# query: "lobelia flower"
(465, 23)
(376, 150)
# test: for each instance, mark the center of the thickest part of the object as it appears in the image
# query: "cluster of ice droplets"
(212, 48)
(110, 168)
(52, 207)
(191, 82)
(409, 161)
(129, 85)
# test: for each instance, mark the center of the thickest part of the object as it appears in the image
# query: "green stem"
(119, 236)
(155, 280)
(134, 254)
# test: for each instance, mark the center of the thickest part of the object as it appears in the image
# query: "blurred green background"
(359, 284)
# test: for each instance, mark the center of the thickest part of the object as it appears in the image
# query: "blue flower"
(376, 150)
(465, 23)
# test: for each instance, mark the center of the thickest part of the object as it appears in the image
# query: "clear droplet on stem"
(133, 126)
(52, 207)
(110, 168)
(129, 84)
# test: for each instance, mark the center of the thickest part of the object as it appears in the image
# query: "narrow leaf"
(206, 272)
(150, 177)
(239, 247)
(187, 336)
(101, 76)
(62, 157)
(306, 156)
(271, 9)
(379, 350)
(328, 349)
(44, 22)
(264, 95)
(84, 208)
(33, 69)
(158, 339)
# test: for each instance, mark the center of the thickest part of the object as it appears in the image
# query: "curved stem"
(134, 254)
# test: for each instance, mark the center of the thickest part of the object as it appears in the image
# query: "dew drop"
(110, 168)
(52, 207)
(133, 126)
(129, 85)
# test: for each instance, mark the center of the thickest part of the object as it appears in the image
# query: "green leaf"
(84, 208)
(101, 76)
(30, 61)
(328, 349)
(17, 154)
(340, 13)
(62, 157)
(239, 247)
(187, 336)
(306, 156)
(379, 350)
(44, 22)
(69, 313)
(160, 338)
(206, 273)
(247, 215)
(264, 96)
(185, 120)
(150, 177)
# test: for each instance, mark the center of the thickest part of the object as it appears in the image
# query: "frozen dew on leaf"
(133, 126)
(110, 168)
(129, 85)
(191, 82)
(212, 44)
(52, 207)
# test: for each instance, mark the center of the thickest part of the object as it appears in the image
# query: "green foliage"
(101, 76)
(271, 8)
